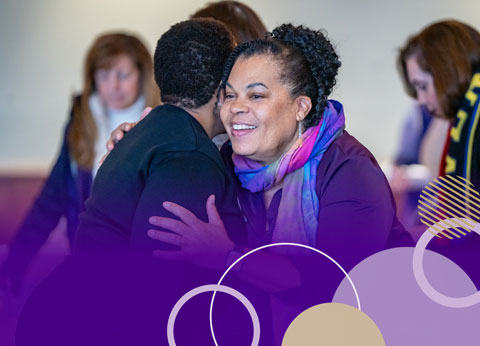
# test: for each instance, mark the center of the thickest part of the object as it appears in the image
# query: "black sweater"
(112, 290)
(168, 156)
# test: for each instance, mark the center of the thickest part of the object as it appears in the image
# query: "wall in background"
(42, 46)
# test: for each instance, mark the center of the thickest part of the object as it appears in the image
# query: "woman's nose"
(238, 106)
(115, 82)
(421, 98)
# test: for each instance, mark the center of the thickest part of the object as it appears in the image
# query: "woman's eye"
(229, 96)
(256, 97)
(102, 75)
(421, 87)
(123, 75)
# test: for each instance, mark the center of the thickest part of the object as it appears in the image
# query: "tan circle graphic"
(333, 324)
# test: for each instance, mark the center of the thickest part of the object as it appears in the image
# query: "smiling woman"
(260, 117)
(301, 178)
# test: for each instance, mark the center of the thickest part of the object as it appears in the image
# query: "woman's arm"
(356, 219)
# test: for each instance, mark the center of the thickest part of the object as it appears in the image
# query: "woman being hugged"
(117, 86)
(301, 177)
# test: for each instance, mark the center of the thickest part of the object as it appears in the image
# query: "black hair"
(188, 61)
(308, 62)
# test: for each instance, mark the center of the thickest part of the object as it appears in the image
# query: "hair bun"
(308, 61)
(309, 41)
(319, 52)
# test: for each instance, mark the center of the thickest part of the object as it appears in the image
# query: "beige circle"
(333, 324)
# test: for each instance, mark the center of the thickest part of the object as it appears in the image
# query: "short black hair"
(308, 61)
(189, 61)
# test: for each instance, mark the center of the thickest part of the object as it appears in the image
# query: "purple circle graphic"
(208, 288)
(427, 288)
(399, 307)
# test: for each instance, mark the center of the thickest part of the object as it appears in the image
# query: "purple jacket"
(356, 219)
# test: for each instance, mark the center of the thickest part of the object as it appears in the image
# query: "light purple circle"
(392, 298)
(427, 288)
(208, 288)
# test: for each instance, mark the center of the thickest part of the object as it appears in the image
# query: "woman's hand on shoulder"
(203, 243)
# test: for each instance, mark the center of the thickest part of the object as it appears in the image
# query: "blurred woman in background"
(117, 86)
(440, 67)
(240, 19)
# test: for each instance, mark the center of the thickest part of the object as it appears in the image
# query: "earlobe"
(304, 105)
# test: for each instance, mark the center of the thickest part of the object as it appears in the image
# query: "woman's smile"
(258, 112)
(242, 129)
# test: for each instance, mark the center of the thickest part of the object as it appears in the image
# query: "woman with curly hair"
(301, 178)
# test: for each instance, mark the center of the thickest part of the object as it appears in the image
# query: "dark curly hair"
(188, 61)
(307, 59)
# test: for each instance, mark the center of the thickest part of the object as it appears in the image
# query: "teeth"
(243, 127)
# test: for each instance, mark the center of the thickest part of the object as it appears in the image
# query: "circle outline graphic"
(422, 281)
(208, 288)
(272, 245)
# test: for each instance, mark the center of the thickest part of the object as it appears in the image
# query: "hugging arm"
(188, 178)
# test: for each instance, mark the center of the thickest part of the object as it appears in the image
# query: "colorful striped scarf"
(463, 158)
(297, 219)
